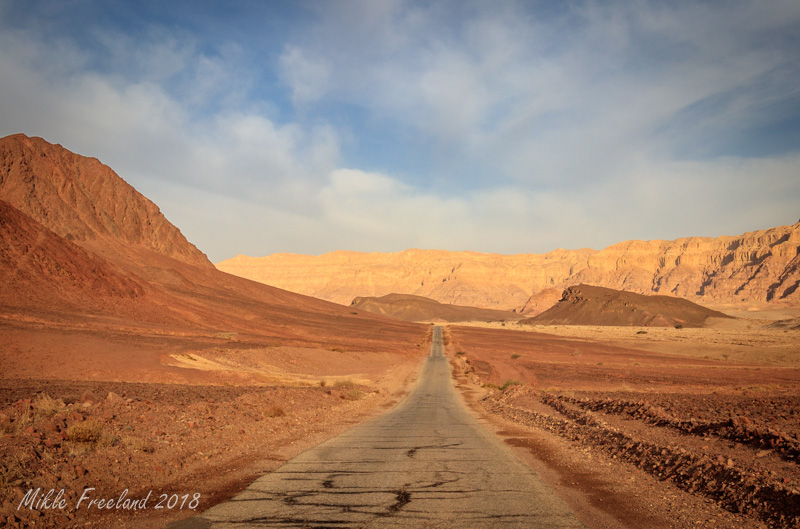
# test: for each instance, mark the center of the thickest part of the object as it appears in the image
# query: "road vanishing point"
(427, 463)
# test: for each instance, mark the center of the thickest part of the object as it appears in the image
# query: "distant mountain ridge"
(408, 307)
(756, 267)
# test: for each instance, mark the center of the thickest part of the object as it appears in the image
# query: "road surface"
(427, 463)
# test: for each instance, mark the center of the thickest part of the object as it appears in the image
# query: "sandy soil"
(191, 415)
(658, 430)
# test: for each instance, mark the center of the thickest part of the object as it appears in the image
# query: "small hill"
(591, 305)
(540, 302)
(417, 308)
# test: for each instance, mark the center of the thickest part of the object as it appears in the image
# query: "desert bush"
(274, 411)
(46, 406)
(85, 432)
(353, 394)
(139, 444)
(641, 332)
(11, 472)
(508, 383)
(515, 356)
(344, 384)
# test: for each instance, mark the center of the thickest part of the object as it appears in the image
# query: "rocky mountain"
(591, 305)
(39, 268)
(756, 267)
(83, 200)
(417, 308)
(82, 248)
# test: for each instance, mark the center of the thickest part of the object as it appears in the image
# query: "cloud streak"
(379, 126)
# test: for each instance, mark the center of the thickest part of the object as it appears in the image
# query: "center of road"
(427, 463)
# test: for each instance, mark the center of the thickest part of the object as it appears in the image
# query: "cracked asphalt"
(426, 463)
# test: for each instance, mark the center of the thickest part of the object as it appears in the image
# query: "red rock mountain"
(591, 305)
(84, 201)
(757, 267)
(39, 268)
(81, 249)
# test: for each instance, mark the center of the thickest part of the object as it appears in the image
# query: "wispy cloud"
(386, 125)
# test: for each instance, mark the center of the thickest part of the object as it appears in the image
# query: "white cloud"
(307, 77)
(547, 131)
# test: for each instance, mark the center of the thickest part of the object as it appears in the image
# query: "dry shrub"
(508, 383)
(85, 432)
(353, 394)
(46, 406)
(275, 411)
(352, 391)
(11, 472)
(6, 426)
(139, 444)
(25, 418)
(91, 435)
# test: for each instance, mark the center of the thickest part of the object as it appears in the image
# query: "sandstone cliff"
(756, 267)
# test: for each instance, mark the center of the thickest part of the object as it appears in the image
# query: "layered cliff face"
(459, 278)
(82, 200)
(756, 267)
(759, 266)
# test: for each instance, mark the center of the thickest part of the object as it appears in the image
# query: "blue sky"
(508, 127)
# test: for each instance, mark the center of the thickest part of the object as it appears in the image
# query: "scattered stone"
(89, 397)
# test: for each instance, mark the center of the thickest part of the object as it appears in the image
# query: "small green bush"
(508, 383)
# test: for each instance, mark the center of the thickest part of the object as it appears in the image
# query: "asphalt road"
(426, 463)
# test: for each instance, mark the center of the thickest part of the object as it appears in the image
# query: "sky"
(507, 127)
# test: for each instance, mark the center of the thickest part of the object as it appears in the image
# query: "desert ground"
(662, 426)
(173, 412)
(656, 427)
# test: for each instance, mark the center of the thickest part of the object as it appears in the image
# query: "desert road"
(426, 463)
